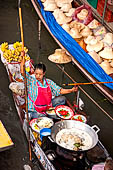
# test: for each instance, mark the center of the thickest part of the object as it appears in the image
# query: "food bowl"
(80, 118)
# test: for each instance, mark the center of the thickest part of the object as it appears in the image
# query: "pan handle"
(51, 139)
(95, 128)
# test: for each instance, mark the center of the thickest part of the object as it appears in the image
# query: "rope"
(86, 93)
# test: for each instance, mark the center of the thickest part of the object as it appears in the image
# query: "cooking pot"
(68, 124)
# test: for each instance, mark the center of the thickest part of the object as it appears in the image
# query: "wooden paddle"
(25, 80)
(77, 84)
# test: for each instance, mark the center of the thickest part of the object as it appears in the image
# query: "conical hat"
(75, 33)
(107, 53)
(61, 3)
(108, 39)
(94, 45)
(66, 27)
(66, 7)
(70, 12)
(43, 1)
(57, 12)
(50, 7)
(93, 24)
(86, 32)
(61, 17)
(47, 2)
(106, 67)
(82, 14)
(95, 56)
(88, 39)
(60, 57)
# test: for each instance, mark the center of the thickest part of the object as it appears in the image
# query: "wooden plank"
(5, 140)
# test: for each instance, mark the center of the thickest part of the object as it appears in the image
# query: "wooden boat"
(48, 20)
(46, 156)
(5, 140)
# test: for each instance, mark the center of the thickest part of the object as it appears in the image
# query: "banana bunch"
(4, 46)
(14, 54)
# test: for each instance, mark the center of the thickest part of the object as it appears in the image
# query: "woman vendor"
(43, 93)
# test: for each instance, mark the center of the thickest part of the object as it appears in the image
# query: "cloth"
(43, 100)
(33, 89)
(60, 100)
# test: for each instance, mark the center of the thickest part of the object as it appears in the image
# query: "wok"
(67, 124)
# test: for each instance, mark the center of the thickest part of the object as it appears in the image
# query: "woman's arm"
(66, 91)
(22, 69)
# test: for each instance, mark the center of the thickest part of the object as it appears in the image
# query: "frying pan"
(68, 124)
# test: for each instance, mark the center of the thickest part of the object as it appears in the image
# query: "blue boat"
(84, 62)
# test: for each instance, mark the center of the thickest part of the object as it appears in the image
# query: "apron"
(43, 100)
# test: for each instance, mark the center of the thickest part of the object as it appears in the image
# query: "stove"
(63, 159)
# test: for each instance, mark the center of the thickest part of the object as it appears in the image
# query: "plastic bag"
(87, 19)
(17, 88)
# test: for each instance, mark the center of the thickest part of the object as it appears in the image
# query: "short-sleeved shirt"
(33, 89)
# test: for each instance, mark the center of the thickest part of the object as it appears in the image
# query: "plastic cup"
(45, 132)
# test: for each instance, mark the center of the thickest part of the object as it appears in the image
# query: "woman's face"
(39, 74)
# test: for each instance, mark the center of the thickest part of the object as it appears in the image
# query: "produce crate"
(108, 14)
(93, 3)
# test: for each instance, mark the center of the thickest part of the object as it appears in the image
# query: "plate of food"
(34, 125)
(80, 118)
(64, 112)
(44, 122)
(51, 111)
(39, 123)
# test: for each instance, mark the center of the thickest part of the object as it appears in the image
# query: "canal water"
(16, 157)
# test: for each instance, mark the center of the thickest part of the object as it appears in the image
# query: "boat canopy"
(74, 49)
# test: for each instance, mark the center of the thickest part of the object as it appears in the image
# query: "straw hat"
(70, 12)
(74, 32)
(108, 39)
(93, 24)
(57, 12)
(95, 56)
(94, 45)
(60, 57)
(107, 53)
(77, 25)
(106, 67)
(86, 32)
(47, 2)
(66, 27)
(61, 17)
(66, 7)
(43, 1)
(82, 14)
(88, 39)
(61, 3)
(49, 6)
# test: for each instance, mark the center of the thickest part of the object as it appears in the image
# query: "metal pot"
(67, 124)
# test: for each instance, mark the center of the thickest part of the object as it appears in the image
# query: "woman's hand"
(75, 89)
(66, 91)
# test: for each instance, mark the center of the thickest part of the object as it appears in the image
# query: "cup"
(45, 132)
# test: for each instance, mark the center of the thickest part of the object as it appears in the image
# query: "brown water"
(16, 157)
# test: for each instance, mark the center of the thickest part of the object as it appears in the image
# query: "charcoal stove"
(62, 159)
